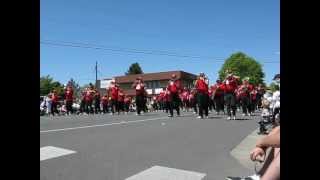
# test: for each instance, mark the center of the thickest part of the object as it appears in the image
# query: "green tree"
(47, 84)
(243, 66)
(134, 69)
(273, 87)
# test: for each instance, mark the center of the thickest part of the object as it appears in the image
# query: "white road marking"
(110, 124)
(165, 173)
(49, 152)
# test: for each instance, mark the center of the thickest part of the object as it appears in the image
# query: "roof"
(154, 76)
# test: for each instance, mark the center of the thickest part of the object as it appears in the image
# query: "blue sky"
(210, 29)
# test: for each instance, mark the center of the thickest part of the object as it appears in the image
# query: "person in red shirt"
(229, 86)
(55, 98)
(105, 101)
(121, 96)
(174, 88)
(185, 101)
(218, 96)
(244, 91)
(69, 99)
(113, 92)
(202, 89)
(89, 99)
(138, 85)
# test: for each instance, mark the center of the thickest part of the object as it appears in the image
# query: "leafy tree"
(243, 66)
(134, 69)
(47, 84)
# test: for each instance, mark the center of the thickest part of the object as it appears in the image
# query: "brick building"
(154, 82)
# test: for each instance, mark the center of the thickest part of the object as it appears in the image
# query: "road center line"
(109, 124)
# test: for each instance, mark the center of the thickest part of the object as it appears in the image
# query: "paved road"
(116, 147)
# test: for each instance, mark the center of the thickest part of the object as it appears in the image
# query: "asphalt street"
(118, 147)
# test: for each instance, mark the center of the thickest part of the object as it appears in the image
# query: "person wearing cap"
(68, 95)
(174, 88)
(229, 86)
(218, 95)
(202, 90)
(138, 85)
(113, 92)
(245, 97)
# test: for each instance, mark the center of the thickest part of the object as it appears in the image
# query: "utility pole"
(96, 68)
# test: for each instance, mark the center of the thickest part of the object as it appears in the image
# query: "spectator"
(48, 100)
(271, 166)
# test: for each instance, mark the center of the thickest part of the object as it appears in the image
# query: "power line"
(91, 46)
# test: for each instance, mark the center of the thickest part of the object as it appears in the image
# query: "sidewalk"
(242, 151)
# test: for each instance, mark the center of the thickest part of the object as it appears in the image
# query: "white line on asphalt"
(49, 152)
(160, 173)
(110, 124)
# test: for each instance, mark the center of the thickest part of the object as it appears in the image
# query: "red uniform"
(245, 90)
(88, 95)
(185, 95)
(69, 94)
(174, 86)
(127, 100)
(105, 100)
(114, 91)
(217, 89)
(139, 88)
(121, 97)
(54, 98)
(230, 85)
(201, 86)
